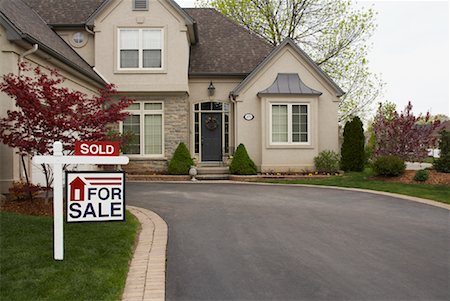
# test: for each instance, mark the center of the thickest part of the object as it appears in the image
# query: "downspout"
(88, 30)
(25, 54)
(22, 170)
(232, 97)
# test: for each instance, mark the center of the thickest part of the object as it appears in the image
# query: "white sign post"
(57, 160)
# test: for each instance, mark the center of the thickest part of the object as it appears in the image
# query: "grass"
(95, 260)
(440, 193)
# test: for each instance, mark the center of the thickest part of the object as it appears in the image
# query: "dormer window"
(140, 49)
(140, 4)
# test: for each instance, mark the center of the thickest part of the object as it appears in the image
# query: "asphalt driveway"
(248, 242)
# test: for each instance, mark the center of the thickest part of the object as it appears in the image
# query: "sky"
(410, 50)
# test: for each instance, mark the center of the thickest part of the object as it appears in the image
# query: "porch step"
(213, 170)
(212, 177)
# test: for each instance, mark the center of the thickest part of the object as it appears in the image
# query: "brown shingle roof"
(32, 28)
(224, 46)
(64, 11)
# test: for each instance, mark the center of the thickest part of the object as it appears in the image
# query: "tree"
(352, 151)
(335, 35)
(401, 135)
(442, 164)
(49, 112)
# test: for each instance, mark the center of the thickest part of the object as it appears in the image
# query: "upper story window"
(289, 123)
(140, 48)
(140, 4)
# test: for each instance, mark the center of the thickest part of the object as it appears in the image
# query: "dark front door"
(211, 137)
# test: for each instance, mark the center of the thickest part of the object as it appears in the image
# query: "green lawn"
(95, 260)
(440, 193)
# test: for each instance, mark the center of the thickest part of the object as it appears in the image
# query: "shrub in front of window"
(327, 161)
(242, 164)
(181, 161)
(442, 164)
(389, 166)
(352, 151)
(421, 175)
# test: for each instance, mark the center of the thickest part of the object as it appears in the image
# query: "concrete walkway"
(147, 274)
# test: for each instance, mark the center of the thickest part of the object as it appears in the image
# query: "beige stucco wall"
(323, 116)
(9, 55)
(119, 14)
(86, 50)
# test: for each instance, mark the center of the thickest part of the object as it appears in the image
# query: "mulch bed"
(434, 178)
(38, 207)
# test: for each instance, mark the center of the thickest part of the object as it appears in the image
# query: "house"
(196, 76)
(77, 189)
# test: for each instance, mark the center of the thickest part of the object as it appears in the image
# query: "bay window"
(289, 123)
(140, 48)
(145, 122)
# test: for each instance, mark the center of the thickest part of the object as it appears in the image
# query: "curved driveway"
(253, 242)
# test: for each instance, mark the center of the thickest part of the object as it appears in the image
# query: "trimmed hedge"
(389, 166)
(442, 163)
(181, 161)
(241, 163)
(352, 151)
(327, 161)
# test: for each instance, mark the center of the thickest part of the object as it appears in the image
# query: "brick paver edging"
(147, 274)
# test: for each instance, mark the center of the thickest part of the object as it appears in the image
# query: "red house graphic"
(77, 190)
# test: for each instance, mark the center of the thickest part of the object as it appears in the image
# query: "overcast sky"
(410, 51)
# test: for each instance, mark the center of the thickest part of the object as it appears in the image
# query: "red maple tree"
(48, 112)
(402, 135)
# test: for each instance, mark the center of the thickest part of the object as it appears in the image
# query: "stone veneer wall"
(176, 130)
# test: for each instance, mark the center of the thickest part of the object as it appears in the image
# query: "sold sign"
(98, 148)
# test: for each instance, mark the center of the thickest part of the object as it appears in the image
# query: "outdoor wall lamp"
(211, 89)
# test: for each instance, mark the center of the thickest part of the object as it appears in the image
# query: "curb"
(146, 277)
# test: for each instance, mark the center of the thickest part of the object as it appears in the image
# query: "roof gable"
(288, 42)
(29, 26)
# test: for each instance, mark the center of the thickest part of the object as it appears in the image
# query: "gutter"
(63, 59)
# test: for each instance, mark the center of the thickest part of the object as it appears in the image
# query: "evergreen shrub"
(421, 175)
(327, 161)
(389, 166)
(352, 151)
(442, 164)
(241, 163)
(181, 161)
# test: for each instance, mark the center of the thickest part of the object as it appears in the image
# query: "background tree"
(49, 112)
(334, 33)
(352, 151)
(442, 164)
(401, 135)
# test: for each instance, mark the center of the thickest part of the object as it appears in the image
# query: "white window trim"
(140, 50)
(142, 112)
(289, 106)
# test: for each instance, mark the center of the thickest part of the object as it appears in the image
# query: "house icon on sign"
(77, 190)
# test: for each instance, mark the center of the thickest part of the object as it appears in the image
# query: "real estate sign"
(95, 196)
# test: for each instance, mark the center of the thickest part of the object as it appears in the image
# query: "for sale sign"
(95, 196)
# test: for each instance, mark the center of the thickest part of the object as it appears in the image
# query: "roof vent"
(140, 4)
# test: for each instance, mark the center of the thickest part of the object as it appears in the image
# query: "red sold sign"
(97, 148)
